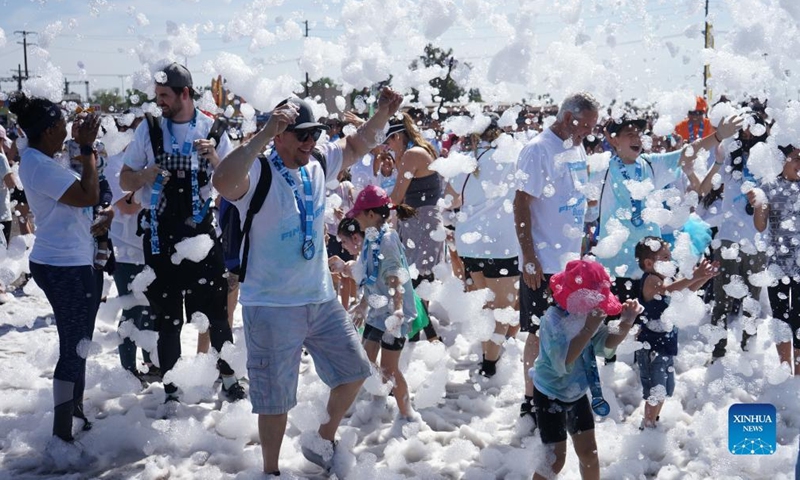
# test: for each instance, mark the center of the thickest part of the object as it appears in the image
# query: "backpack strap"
(262, 189)
(218, 129)
(322, 161)
(156, 135)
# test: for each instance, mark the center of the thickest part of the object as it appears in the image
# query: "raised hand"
(281, 118)
(390, 100)
(728, 126)
(88, 126)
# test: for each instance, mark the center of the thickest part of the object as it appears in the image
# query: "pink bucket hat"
(583, 286)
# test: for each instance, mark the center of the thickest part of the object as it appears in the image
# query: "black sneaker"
(235, 393)
(488, 368)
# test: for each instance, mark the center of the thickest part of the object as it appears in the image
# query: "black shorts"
(555, 418)
(784, 299)
(18, 195)
(377, 335)
(533, 302)
(492, 267)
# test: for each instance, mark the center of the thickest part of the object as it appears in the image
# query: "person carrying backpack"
(287, 295)
(170, 160)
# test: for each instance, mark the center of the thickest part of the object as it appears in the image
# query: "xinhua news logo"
(751, 429)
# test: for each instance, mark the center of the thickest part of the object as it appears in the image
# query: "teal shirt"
(662, 169)
(551, 373)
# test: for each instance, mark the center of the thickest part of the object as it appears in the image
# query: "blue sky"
(98, 33)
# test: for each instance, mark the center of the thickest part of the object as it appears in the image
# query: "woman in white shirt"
(62, 256)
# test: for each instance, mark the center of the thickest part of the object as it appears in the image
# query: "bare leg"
(339, 401)
(390, 365)
(528, 357)
(796, 359)
(651, 414)
(586, 448)
(271, 429)
(555, 456)
(785, 353)
(505, 295)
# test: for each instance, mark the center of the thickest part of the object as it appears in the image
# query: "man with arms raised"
(287, 295)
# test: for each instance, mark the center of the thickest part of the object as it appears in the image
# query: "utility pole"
(709, 43)
(19, 77)
(307, 86)
(24, 44)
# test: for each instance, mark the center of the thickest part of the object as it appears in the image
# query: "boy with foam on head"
(660, 338)
(571, 332)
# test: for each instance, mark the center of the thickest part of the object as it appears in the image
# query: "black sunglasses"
(306, 133)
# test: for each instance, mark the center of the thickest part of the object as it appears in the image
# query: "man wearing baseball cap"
(287, 296)
(174, 180)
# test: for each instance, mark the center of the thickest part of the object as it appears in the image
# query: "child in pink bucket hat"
(571, 333)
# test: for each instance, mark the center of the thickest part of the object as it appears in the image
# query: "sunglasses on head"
(306, 133)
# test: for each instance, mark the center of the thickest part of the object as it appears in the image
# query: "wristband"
(87, 150)
(587, 330)
(717, 138)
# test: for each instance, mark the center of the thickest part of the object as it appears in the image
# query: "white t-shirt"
(5, 194)
(62, 231)
(277, 273)
(139, 153)
(556, 178)
(737, 225)
(127, 245)
(485, 224)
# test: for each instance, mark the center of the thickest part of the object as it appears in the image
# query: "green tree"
(108, 99)
(448, 89)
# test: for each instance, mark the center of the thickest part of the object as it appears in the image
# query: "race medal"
(308, 249)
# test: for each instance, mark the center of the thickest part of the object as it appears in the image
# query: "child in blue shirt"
(571, 333)
(387, 304)
(660, 339)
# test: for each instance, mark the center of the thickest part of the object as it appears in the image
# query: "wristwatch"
(87, 150)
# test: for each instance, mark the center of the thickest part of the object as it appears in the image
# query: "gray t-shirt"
(784, 226)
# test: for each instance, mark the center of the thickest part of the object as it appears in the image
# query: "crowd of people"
(586, 234)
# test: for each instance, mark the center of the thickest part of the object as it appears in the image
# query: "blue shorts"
(655, 369)
(275, 337)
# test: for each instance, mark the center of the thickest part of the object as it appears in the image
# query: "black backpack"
(233, 235)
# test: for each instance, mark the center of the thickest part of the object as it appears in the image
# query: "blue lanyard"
(375, 247)
(155, 195)
(199, 208)
(636, 205)
(692, 136)
(306, 207)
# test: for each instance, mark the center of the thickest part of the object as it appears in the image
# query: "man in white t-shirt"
(549, 211)
(175, 188)
(287, 295)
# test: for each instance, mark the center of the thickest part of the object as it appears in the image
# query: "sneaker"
(488, 368)
(170, 407)
(235, 393)
(323, 459)
(68, 455)
(78, 413)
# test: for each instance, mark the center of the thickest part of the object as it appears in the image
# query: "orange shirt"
(682, 129)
